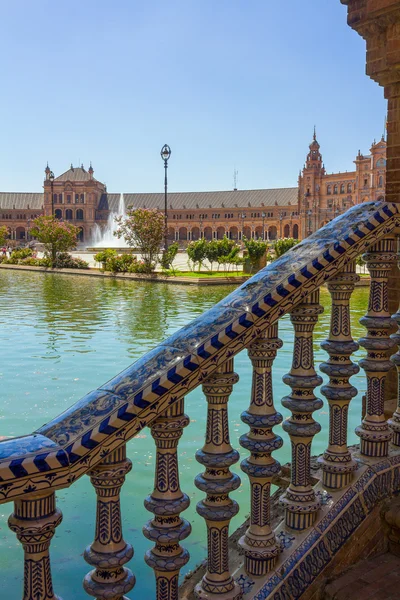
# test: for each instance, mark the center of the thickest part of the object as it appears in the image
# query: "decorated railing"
(90, 438)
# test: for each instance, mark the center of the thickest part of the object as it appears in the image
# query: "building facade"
(77, 196)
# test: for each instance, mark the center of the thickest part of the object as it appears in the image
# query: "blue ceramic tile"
(83, 415)
(148, 368)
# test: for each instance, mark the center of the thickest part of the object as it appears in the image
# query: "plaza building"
(269, 214)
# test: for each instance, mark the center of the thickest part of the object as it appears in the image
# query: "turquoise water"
(62, 336)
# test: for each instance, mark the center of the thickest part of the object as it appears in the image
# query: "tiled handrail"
(72, 444)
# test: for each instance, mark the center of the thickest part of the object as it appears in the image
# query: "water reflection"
(64, 335)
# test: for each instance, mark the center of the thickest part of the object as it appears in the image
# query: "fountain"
(104, 237)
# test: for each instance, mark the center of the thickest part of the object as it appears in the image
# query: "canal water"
(62, 336)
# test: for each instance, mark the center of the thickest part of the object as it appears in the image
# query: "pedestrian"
(4, 251)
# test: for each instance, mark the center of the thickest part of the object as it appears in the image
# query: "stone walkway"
(374, 579)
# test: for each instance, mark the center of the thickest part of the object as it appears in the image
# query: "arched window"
(69, 199)
(58, 214)
(380, 181)
(329, 190)
(82, 198)
(335, 188)
(76, 198)
(60, 198)
(68, 214)
(342, 188)
(349, 190)
(79, 214)
(55, 197)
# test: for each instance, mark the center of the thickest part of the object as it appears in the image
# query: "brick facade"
(268, 214)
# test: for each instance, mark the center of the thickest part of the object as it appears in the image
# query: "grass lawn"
(201, 274)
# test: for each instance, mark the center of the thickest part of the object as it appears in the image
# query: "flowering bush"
(120, 264)
(57, 236)
(144, 229)
(66, 261)
(139, 267)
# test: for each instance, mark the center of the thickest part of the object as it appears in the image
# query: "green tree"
(212, 252)
(143, 229)
(256, 250)
(228, 252)
(56, 236)
(282, 246)
(196, 252)
(3, 235)
(169, 255)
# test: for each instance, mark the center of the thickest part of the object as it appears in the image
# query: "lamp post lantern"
(51, 178)
(165, 154)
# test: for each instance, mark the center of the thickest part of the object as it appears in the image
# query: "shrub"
(256, 250)
(66, 261)
(104, 255)
(121, 263)
(139, 266)
(282, 246)
(21, 253)
(32, 262)
(169, 255)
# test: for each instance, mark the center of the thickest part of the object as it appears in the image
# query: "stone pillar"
(109, 580)
(299, 500)
(34, 520)
(259, 543)
(336, 463)
(374, 431)
(167, 501)
(217, 481)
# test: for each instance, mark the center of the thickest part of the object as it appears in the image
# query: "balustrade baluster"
(299, 500)
(259, 543)
(336, 463)
(34, 520)
(374, 430)
(167, 501)
(217, 455)
(109, 580)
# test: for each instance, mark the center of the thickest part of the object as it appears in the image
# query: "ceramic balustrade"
(90, 438)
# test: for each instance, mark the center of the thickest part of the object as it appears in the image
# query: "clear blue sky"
(226, 83)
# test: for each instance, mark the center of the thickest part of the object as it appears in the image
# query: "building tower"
(310, 184)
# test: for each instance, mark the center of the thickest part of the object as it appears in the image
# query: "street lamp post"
(263, 214)
(51, 178)
(280, 224)
(201, 227)
(165, 154)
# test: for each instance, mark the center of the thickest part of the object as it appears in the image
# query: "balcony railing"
(90, 438)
